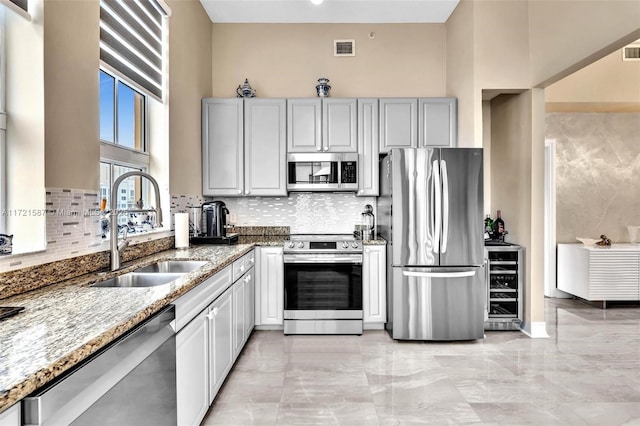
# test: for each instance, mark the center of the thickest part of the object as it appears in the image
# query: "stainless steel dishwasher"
(130, 382)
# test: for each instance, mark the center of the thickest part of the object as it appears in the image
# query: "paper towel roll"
(182, 230)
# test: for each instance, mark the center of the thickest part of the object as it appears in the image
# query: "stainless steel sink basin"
(172, 266)
(133, 279)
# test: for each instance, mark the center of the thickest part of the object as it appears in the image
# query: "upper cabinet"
(422, 122)
(368, 148)
(222, 147)
(322, 125)
(339, 125)
(265, 147)
(398, 123)
(243, 147)
(437, 122)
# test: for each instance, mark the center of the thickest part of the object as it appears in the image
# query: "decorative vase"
(323, 87)
(245, 90)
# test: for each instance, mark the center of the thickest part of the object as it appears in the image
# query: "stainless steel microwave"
(322, 172)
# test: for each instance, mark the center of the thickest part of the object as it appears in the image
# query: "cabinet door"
(437, 122)
(220, 317)
(249, 302)
(270, 287)
(304, 133)
(12, 416)
(265, 147)
(192, 374)
(613, 274)
(368, 148)
(374, 282)
(238, 316)
(222, 147)
(398, 123)
(339, 125)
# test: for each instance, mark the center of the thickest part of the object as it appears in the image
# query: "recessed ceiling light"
(317, 2)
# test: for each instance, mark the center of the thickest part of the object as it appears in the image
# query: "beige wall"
(566, 35)
(190, 81)
(517, 188)
(608, 80)
(71, 63)
(286, 60)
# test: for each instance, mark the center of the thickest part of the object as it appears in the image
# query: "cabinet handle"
(239, 191)
(215, 311)
(247, 192)
(367, 250)
(247, 278)
(252, 260)
(361, 191)
(242, 267)
(326, 148)
(319, 148)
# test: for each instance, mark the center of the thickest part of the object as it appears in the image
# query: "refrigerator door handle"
(438, 207)
(460, 274)
(487, 279)
(445, 205)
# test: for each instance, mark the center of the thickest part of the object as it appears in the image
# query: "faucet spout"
(117, 248)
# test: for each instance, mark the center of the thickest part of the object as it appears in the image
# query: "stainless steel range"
(323, 284)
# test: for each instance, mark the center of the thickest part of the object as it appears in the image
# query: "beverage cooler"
(505, 291)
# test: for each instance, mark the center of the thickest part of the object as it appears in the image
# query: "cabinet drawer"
(243, 264)
(193, 302)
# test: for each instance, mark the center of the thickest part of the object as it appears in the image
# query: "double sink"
(152, 275)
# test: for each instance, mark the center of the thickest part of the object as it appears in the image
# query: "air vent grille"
(631, 53)
(344, 48)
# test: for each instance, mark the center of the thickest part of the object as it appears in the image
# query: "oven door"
(322, 286)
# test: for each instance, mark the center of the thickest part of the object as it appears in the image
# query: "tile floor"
(586, 373)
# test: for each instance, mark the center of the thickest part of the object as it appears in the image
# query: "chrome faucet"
(118, 247)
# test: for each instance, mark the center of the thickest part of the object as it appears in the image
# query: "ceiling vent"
(631, 52)
(344, 48)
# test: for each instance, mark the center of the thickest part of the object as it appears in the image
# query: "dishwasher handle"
(67, 397)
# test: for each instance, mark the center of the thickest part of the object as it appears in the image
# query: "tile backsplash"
(303, 212)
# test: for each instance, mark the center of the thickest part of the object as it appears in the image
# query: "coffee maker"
(214, 225)
(214, 214)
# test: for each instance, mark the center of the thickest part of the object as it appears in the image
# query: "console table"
(600, 274)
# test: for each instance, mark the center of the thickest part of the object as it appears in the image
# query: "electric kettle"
(214, 214)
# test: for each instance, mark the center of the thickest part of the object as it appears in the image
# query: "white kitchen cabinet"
(270, 287)
(368, 148)
(339, 125)
(192, 371)
(243, 147)
(238, 317)
(265, 144)
(220, 316)
(398, 123)
(600, 273)
(437, 122)
(11, 416)
(374, 286)
(249, 302)
(222, 147)
(304, 121)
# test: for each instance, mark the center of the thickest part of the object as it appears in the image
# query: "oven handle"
(323, 258)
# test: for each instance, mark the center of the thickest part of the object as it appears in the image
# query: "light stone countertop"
(614, 247)
(64, 323)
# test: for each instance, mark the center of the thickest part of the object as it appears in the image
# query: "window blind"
(131, 41)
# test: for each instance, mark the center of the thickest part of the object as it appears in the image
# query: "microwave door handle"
(438, 207)
(445, 205)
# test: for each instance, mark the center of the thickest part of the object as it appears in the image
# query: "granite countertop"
(64, 323)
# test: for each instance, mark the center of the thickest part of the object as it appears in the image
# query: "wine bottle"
(488, 224)
(498, 225)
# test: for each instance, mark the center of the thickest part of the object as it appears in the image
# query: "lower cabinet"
(192, 371)
(220, 317)
(270, 291)
(374, 291)
(11, 416)
(208, 345)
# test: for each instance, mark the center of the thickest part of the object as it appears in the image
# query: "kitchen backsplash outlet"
(318, 212)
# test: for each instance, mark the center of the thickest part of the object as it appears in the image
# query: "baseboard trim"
(535, 330)
(269, 327)
(373, 326)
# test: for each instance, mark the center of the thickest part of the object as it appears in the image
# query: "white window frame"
(3, 128)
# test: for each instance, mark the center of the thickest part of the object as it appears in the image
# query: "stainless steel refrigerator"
(430, 211)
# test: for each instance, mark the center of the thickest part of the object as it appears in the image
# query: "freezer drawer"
(437, 303)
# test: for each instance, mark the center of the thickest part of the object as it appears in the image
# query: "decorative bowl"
(588, 241)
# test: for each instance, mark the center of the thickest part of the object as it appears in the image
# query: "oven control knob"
(290, 245)
(300, 244)
(345, 244)
(354, 244)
